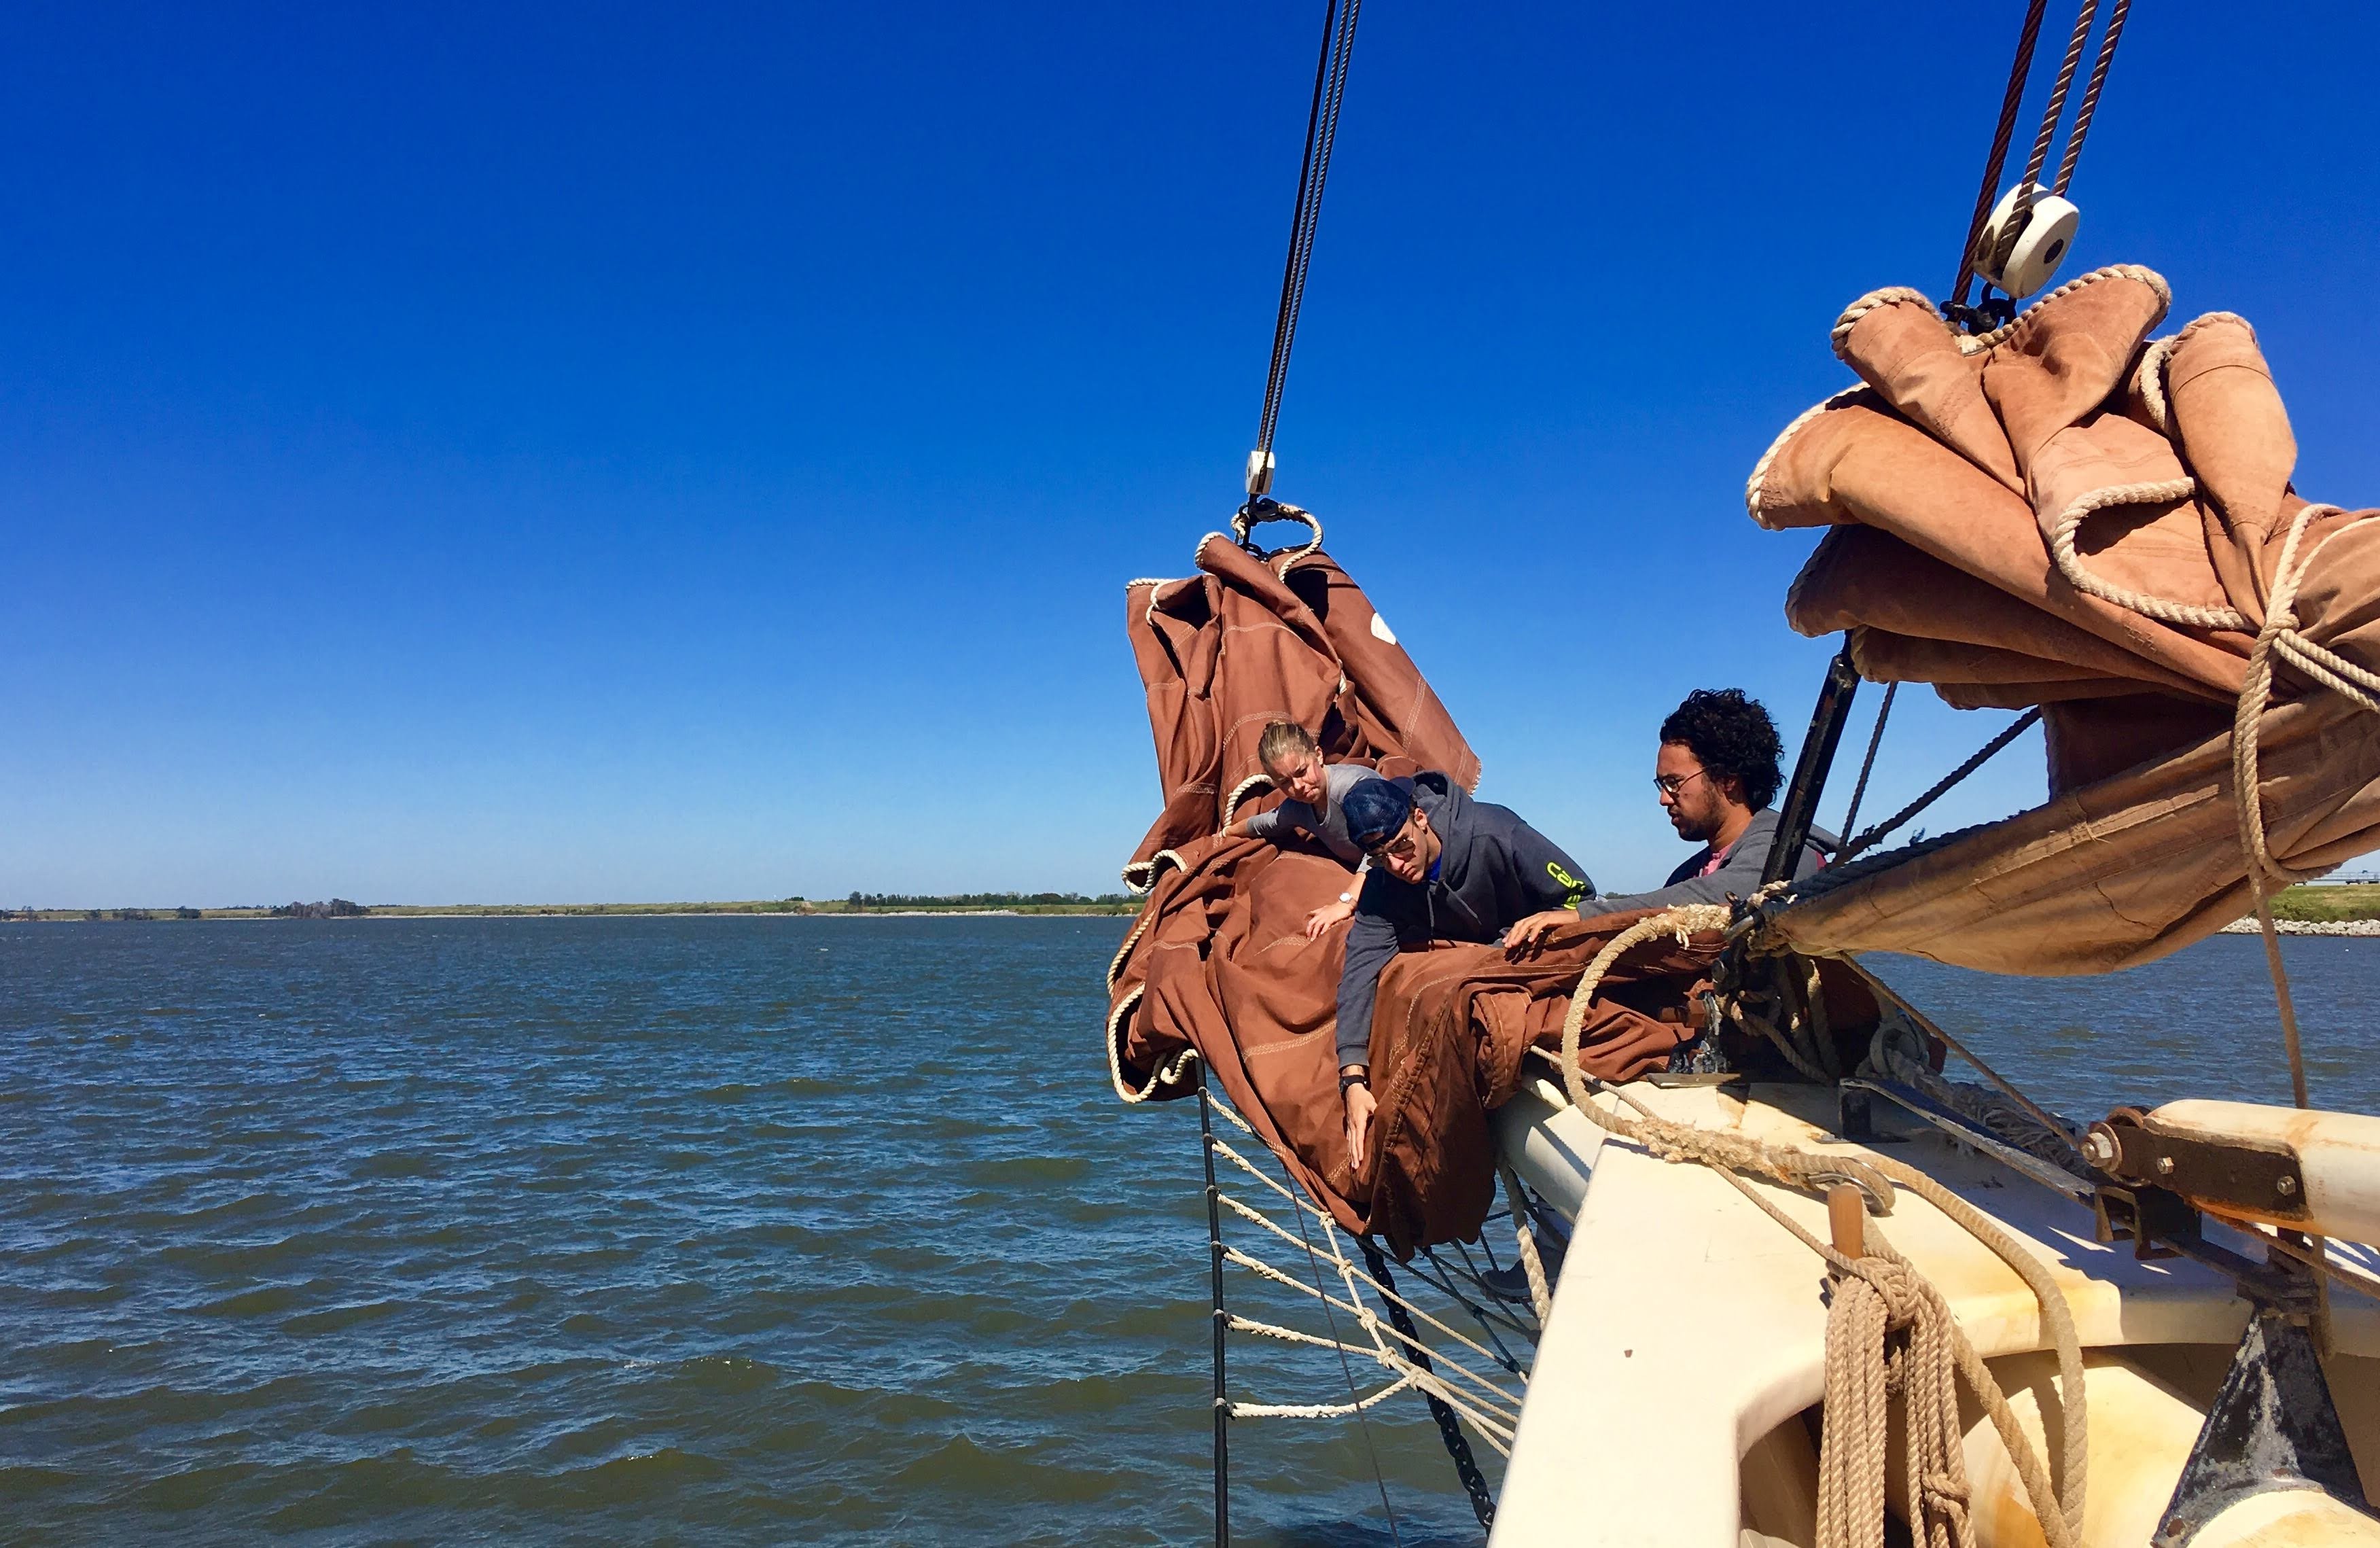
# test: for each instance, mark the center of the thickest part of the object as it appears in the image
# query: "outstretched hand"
(1360, 1107)
(1325, 917)
(1528, 937)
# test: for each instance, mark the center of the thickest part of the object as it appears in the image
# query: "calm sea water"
(717, 1230)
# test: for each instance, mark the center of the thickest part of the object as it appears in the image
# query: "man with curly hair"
(1719, 765)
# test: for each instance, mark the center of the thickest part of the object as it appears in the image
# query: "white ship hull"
(1673, 1400)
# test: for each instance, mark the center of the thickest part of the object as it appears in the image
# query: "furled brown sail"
(2068, 513)
(1219, 968)
(1249, 640)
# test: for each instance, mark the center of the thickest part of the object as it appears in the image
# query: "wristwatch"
(1346, 897)
(1361, 1078)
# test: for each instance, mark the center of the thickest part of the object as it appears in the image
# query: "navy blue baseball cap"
(1376, 810)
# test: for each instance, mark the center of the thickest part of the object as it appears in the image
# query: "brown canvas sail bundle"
(1253, 639)
(2069, 513)
(1219, 968)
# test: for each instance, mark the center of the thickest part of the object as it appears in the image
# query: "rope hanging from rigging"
(2091, 96)
(1339, 20)
(2028, 188)
(2010, 249)
(2018, 72)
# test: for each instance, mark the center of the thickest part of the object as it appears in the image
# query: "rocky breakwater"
(2307, 927)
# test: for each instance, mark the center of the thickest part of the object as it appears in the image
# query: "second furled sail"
(2069, 513)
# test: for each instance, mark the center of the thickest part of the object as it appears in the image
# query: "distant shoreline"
(772, 908)
(2335, 909)
(2341, 930)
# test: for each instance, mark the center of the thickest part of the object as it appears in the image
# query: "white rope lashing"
(1350, 1272)
(1541, 1297)
(2280, 636)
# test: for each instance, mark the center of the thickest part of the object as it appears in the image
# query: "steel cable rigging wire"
(2050, 113)
(1983, 755)
(1867, 765)
(1339, 20)
(2020, 71)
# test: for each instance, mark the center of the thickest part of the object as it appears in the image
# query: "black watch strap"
(1361, 1078)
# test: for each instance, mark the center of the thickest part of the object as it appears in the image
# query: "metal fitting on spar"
(2284, 1166)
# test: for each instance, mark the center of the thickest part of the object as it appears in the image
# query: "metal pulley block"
(2043, 240)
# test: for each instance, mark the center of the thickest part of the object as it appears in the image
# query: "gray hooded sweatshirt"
(1327, 826)
(1493, 871)
(1738, 872)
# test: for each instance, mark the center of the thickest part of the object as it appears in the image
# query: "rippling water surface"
(718, 1230)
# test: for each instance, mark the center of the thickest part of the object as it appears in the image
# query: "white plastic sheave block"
(2047, 238)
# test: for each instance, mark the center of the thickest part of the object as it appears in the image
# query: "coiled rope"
(1876, 1294)
(1674, 1141)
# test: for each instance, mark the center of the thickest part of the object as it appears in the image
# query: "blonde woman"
(1292, 761)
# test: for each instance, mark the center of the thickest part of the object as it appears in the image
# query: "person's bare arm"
(1331, 913)
(1527, 937)
(1360, 1104)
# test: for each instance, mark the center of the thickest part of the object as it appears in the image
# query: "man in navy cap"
(1443, 867)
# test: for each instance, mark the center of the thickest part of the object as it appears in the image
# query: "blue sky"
(602, 452)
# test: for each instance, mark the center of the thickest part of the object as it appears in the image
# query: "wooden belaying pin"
(1847, 1219)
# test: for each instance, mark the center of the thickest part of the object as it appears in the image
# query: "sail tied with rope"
(1219, 968)
(2067, 514)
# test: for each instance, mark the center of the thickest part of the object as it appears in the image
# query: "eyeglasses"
(1670, 784)
(1402, 847)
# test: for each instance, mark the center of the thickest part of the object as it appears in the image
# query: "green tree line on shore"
(2318, 902)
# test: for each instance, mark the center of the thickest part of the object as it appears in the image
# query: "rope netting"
(1341, 1281)
(1467, 1354)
